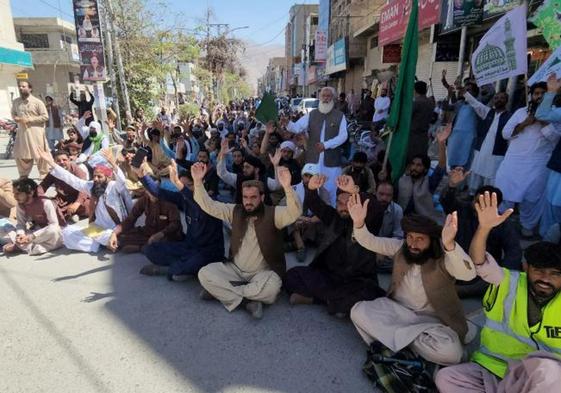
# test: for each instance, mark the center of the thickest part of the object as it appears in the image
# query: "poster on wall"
(459, 13)
(90, 46)
(320, 54)
(495, 7)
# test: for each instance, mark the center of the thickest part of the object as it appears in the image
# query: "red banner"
(395, 17)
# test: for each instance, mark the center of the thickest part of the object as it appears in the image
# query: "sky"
(266, 18)
(264, 37)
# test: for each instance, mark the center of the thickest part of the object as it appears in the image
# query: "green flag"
(267, 109)
(399, 121)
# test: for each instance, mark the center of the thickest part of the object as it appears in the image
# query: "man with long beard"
(110, 203)
(422, 310)
(327, 131)
(254, 274)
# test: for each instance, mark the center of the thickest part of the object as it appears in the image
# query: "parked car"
(308, 104)
(294, 103)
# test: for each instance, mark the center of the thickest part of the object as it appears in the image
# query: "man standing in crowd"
(31, 114)
(326, 128)
(84, 104)
(520, 349)
(54, 125)
(366, 108)
(552, 113)
(522, 175)
(110, 203)
(40, 215)
(422, 115)
(422, 310)
(342, 104)
(73, 203)
(381, 107)
(417, 188)
(254, 275)
(203, 242)
(343, 272)
(490, 146)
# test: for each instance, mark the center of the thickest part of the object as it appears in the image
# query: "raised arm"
(222, 211)
(481, 110)
(62, 174)
(286, 215)
(487, 214)
(299, 126)
(458, 264)
(358, 212)
(546, 111)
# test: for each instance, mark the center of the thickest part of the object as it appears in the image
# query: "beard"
(98, 189)
(416, 258)
(257, 211)
(538, 293)
(326, 108)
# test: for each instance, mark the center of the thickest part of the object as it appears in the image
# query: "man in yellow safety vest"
(520, 348)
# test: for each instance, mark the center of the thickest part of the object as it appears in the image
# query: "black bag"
(401, 372)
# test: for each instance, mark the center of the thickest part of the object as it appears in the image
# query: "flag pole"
(385, 164)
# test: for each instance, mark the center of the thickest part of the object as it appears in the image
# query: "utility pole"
(110, 61)
(119, 58)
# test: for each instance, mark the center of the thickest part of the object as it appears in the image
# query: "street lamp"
(237, 28)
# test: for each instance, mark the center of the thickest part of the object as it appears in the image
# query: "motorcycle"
(11, 127)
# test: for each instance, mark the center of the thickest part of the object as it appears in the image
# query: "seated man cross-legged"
(520, 349)
(422, 310)
(256, 247)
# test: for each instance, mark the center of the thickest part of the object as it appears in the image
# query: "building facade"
(56, 60)
(13, 60)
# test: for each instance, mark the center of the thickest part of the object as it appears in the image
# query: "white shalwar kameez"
(522, 175)
(485, 165)
(88, 239)
(330, 172)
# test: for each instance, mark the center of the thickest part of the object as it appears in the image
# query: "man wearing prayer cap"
(94, 141)
(422, 312)
(109, 205)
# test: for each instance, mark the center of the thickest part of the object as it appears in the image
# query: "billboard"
(322, 32)
(395, 17)
(90, 46)
(459, 13)
(496, 7)
(337, 57)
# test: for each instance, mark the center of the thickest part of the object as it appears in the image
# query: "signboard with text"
(90, 46)
(336, 57)
(496, 7)
(320, 46)
(459, 13)
(395, 17)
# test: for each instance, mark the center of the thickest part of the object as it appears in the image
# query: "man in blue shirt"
(203, 242)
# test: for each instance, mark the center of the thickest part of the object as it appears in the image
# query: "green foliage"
(187, 110)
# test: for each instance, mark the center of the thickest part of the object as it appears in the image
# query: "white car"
(294, 104)
(308, 104)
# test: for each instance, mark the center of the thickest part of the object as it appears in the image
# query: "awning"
(15, 57)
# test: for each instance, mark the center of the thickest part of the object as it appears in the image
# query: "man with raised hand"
(254, 274)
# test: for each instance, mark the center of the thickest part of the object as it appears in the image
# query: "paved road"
(73, 322)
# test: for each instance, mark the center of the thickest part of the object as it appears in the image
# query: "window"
(66, 38)
(35, 41)
(373, 42)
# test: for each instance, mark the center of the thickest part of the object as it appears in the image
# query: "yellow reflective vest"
(506, 335)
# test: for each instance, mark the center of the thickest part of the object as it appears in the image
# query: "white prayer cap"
(288, 145)
(310, 169)
(96, 125)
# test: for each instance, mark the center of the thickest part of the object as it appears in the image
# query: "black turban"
(421, 224)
